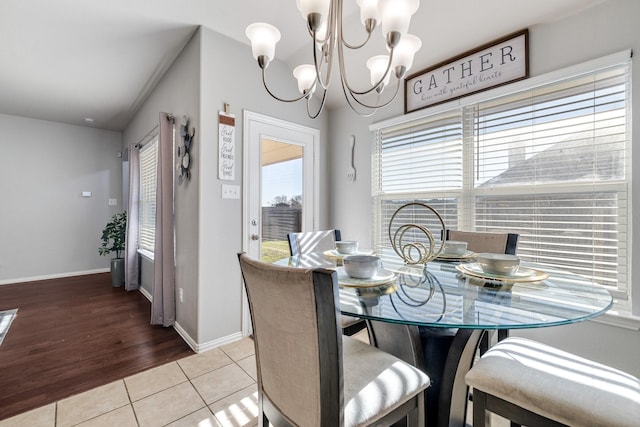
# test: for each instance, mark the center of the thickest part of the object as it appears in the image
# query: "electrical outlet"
(113, 202)
(181, 295)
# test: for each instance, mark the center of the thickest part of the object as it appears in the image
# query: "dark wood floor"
(74, 334)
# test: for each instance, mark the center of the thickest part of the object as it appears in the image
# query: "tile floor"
(216, 388)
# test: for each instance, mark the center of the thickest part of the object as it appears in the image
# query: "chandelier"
(325, 24)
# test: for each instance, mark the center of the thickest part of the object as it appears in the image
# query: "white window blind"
(147, 205)
(551, 163)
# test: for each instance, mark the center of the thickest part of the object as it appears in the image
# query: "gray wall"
(230, 74)
(178, 93)
(213, 70)
(46, 228)
(608, 28)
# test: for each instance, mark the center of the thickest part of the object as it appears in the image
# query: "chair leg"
(480, 415)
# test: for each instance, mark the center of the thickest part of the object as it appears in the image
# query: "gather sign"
(499, 62)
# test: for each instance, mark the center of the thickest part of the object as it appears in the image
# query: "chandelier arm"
(324, 84)
(264, 82)
(354, 47)
(343, 75)
(313, 116)
(348, 96)
(395, 94)
(343, 72)
(339, 22)
(328, 43)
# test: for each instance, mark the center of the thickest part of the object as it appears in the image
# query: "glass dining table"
(434, 315)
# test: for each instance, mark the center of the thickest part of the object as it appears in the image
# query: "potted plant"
(113, 240)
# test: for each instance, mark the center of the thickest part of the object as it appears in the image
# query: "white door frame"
(256, 127)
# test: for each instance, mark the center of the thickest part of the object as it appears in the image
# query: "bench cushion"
(557, 385)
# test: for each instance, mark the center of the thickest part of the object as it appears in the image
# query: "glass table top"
(453, 295)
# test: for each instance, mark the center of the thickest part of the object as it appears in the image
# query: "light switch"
(230, 191)
(113, 202)
(86, 194)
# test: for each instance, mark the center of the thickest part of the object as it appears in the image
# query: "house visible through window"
(147, 205)
(551, 163)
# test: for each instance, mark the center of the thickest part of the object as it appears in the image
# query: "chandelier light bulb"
(377, 65)
(404, 53)
(369, 14)
(306, 76)
(314, 12)
(396, 15)
(263, 42)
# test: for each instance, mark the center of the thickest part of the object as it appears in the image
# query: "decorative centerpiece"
(113, 241)
(413, 241)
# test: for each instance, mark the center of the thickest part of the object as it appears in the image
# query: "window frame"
(152, 144)
(468, 190)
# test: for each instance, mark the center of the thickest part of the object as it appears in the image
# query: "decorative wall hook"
(184, 150)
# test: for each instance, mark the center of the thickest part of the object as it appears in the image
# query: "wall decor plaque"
(493, 64)
(226, 145)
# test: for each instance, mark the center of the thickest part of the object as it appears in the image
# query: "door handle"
(255, 237)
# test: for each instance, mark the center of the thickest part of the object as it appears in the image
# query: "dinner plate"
(456, 257)
(381, 277)
(335, 254)
(522, 275)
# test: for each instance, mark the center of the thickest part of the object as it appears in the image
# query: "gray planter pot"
(117, 272)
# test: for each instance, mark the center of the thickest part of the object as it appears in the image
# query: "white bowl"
(346, 246)
(453, 247)
(501, 264)
(361, 266)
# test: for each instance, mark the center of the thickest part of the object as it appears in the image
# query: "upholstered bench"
(537, 385)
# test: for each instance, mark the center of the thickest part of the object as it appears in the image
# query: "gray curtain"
(131, 266)
(163, 305)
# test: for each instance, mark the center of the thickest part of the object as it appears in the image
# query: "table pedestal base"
(446, 355)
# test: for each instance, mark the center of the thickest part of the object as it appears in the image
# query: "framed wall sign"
(226, 145)
(493, 64)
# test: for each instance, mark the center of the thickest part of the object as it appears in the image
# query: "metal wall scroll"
(413, 241)
(184, 156)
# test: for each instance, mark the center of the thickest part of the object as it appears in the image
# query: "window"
(550, 161)
(147, 205)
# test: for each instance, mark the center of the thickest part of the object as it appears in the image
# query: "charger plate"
(380, 278)
(455, 257)
(335, 254)
(523, 274)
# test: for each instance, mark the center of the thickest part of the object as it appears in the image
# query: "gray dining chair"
(312, 241)
(479, 241)
(321, 241)
(534, 384)
(309, 373)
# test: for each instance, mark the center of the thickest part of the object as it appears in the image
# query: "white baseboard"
(53, 276)
(198, 348)
(145, 292)
(218, 342)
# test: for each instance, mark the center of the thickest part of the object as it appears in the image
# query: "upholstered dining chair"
(534, 384)
(477, 241)
(312, 241)
(309, 374)
(320, 241)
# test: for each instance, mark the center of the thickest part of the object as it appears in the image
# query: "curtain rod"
(141, 144)
(144, 140)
